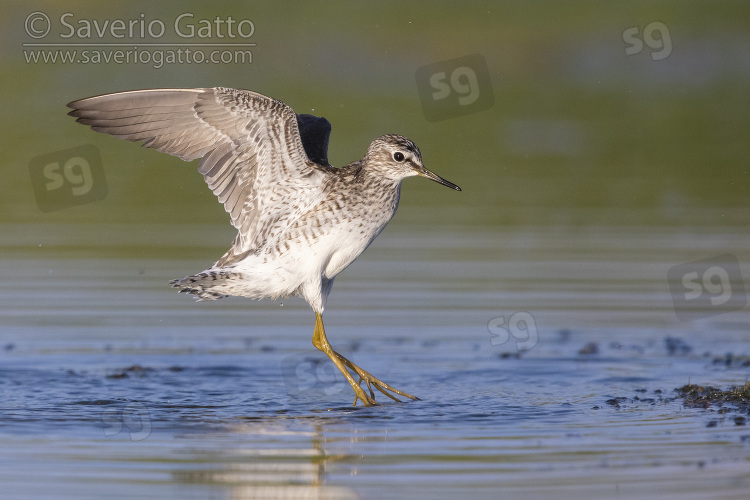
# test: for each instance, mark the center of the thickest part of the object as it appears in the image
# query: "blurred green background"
(579, 134)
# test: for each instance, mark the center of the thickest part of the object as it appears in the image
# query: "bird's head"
(396, 157)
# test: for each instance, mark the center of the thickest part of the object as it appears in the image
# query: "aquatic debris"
(506, 355)
(677, 347)
(698, 396)
(616, 401)
(732, 361)
(136, 370)
(589, 348)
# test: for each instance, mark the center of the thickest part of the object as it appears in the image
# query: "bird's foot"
(371, 381)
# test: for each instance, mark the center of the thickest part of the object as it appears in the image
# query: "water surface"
(112, 385)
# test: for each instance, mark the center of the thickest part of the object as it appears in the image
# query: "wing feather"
(253, 157)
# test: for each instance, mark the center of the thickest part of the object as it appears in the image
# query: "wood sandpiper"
(299, 220)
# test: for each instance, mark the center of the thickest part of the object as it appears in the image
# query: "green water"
(576, 123)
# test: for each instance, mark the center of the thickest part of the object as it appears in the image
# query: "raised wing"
(252, 155)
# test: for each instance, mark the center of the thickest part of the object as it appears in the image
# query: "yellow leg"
(321, 342)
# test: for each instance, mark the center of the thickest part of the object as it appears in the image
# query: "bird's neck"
(375, 176)
(376, 182)
(372, 184)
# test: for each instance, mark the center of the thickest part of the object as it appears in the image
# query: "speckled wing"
(252, 155)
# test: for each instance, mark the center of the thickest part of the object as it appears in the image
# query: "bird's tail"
(209, 285)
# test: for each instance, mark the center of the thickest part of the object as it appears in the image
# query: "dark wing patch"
(315, 132)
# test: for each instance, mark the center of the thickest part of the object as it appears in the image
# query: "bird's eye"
(398, 156)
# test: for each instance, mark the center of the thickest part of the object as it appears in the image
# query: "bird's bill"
(423, 172)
